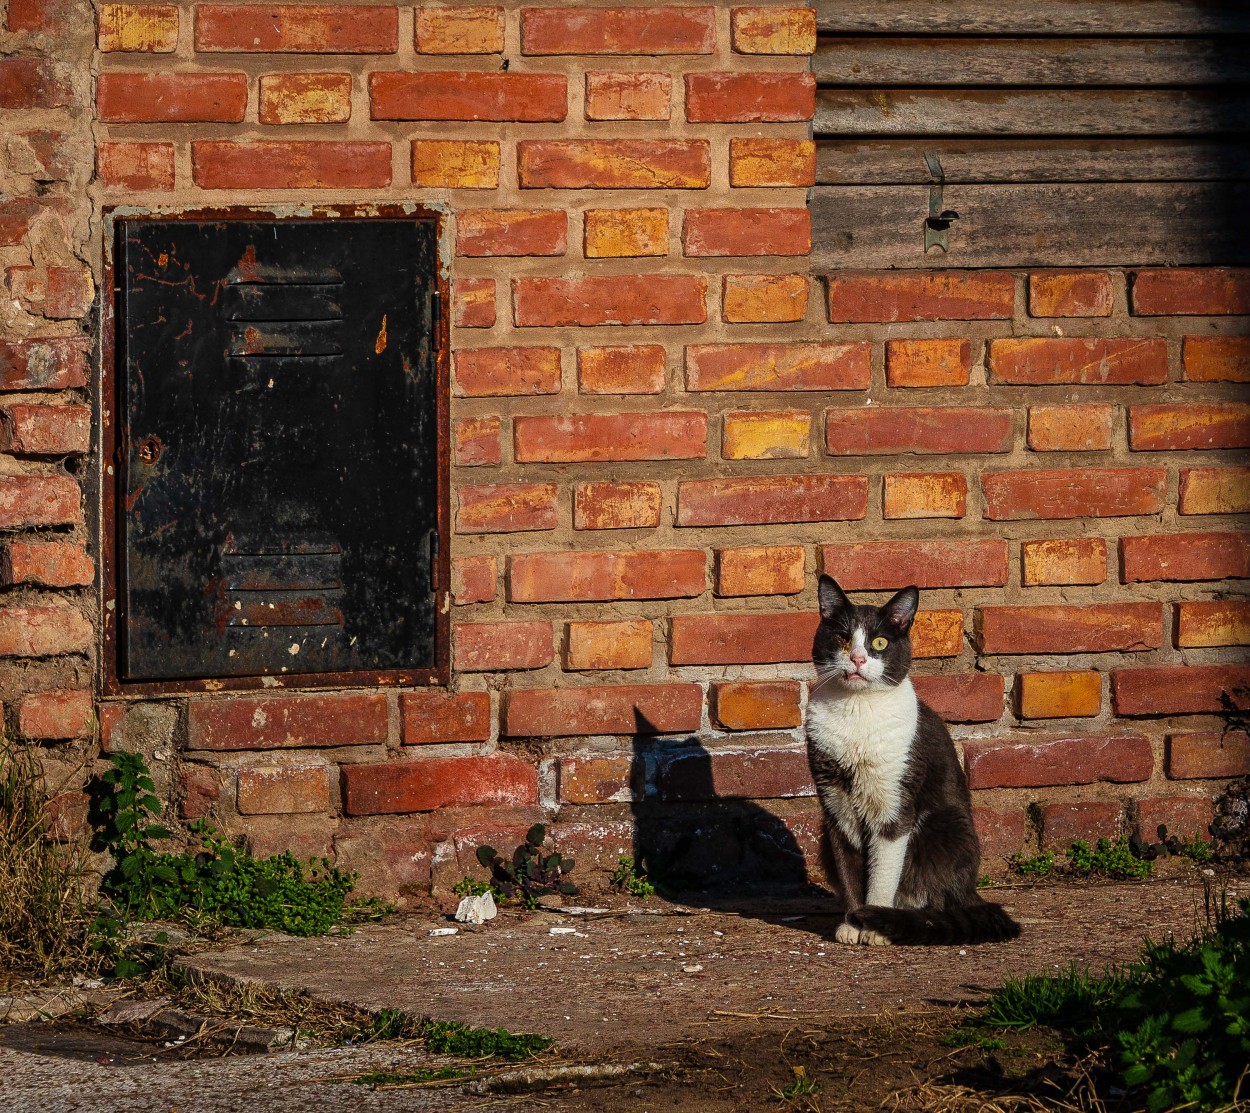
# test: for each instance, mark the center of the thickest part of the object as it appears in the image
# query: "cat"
(890, 784)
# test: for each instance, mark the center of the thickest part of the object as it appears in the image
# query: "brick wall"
(663, 426)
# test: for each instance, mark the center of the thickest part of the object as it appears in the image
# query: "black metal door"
(279, 446)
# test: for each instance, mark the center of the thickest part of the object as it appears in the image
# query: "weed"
(966, 1037)
(452, 1038)
(985, 881)
(407, 1078)
(469, 887)
(1041, 865)
(529, 873)
(629, 877)
(801, 1088)
(1107, 859)
(1066, 1000)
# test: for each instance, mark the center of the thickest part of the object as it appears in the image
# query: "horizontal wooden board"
(971, 112)
(1049, 225)
(1039, 17)
(899, 161)
(885, 62)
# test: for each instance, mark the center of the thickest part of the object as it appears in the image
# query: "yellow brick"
(767, 435)
(774, 30)
(305, 98)
(609, 645)
(459, 30)
(624, 233)
(921, 363)
(1070, 428)
(938, 634)
(929, 495)
(1077, 560)
(455, 164)
(1060, 695)
(1220, 622)
(760, 570)
(1215, 491)
(772, 162)
(751, 298)
(148, 27)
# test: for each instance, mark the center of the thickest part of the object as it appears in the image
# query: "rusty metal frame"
(113, 435)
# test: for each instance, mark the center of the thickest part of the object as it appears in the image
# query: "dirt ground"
(712, 1008)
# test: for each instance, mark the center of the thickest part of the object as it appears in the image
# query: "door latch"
(937, 223)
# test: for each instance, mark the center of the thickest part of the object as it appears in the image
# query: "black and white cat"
(894, 796)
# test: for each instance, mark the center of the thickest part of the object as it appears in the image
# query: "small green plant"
(470, 887)
(801, 1088)
(1067, 1000)
(1040, 865)
(629, 877)
(985, 881)
(407, 1078)
(1193, 847)
(530, 872)
(1107, 859)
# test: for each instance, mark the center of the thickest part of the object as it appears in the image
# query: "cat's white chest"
(870, 735)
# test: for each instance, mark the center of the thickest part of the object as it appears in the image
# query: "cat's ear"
(900, 611)
(832, 597)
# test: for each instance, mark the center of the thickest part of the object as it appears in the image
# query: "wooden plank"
(966, 61)
(1030, 112)
(899, 161)
(1108, 224)
(1039, 17)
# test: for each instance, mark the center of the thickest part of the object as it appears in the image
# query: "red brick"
(758, 705)
(1181, 689)
(920, 430)
(473, 300)
(742, 639)
(50, 563)
(1076, 560)
(1183, 816)
(492, 372)
(921, 296)
(626, 369)
(1040, 762)
(1212, 623)
(1215, 490)
(974, 697)
(1181, 291)
(32, 83)
(1090, 628)
(624, 709)
(473, 579)
(171, 97)
(609, 645)
(614, 163)
(492, 232)
(588, 438)
(50, 430)
(1059, 695)
(752, 298)
(763, 773)
(1181, 557)
(1070, 294)
(43, 154)
(39, 500)
(1217, 359)
(491, 646)
(43, 631)
(925, 495)
(1187, 426)
(921, 363)
(772, 499)
(458, 95)
(771, 162)
(592, 577)
(199, 790)
(1085, 428)
(634, 30)
(1087, 493)
(761, 570)
(297, 28)
(427, 784)
(1001, 833)
(455, 164)
(283, 722)
(506, 508)
(42, 364)
(650, 299)
(740, 98)
(34, 15)
(441, 716)
(61, 714)
(270, 164)
(1064, 824)
(719, 232)
(595, 779)
(768, 367)
(628, 96)
(18, 218)
(1042, 361)
(624, 233)
(283, 789)
(464, 30)
(68, 814)
(773, 30)
(136, 166)
(477, 443)
(616, 505)
(305, 98)
(1208, 755)
(886, 565)
(57, 293)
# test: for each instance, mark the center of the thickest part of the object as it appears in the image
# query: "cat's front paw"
(872, 938)
(847, 934)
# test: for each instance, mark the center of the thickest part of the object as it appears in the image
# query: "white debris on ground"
(477, 910)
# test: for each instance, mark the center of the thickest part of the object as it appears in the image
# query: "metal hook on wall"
(937, 223)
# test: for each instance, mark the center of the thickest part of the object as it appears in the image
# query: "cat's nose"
(858, 659)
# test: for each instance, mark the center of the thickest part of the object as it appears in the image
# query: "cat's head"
(858, 648)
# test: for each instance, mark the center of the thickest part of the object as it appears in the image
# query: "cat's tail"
(972, 923)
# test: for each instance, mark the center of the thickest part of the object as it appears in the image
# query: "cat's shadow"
(710, 851)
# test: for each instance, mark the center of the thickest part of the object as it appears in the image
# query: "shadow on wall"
(699, 846)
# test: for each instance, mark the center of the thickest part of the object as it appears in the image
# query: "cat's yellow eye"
(880, 643)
